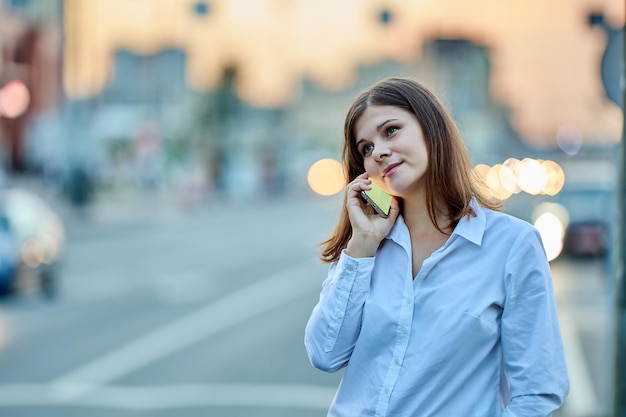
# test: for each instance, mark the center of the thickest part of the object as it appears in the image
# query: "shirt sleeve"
(533, 355)
(335, 323)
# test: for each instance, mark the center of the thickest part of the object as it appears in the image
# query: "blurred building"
(538, 50)
(238, 95)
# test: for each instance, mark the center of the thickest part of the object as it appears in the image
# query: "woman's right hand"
(368, 227)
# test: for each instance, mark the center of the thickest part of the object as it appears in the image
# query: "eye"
(391, 130)
(367, 149)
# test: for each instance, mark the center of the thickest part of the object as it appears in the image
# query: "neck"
(417, 217)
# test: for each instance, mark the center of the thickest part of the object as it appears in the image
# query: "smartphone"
(377, 198)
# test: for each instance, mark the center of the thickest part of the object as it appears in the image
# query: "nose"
(381, 151)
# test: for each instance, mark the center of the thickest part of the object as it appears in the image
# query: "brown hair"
(450, 182)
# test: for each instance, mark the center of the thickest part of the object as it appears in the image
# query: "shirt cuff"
(354, 274)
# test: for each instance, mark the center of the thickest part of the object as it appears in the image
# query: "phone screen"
(377, 198)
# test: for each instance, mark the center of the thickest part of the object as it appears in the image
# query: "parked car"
(592, 211)
(36, 235)
(9, 256)
(586, 239)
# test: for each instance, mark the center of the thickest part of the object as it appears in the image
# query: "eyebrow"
(380, 126)
(384, 123)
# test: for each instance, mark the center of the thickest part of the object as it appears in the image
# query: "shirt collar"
(471, 228)
(400, 233)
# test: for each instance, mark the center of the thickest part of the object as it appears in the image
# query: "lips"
(391, 168)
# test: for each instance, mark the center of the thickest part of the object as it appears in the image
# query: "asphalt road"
(170, 312)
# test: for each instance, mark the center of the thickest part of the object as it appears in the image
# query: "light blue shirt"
(474, 334)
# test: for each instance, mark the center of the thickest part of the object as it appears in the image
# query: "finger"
(395, 204)
(395, 208)
(358, 185)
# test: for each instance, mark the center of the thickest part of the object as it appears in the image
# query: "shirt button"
(386, 390)
(396, 361)
(350, 268)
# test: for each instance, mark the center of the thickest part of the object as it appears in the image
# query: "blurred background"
(168, 167)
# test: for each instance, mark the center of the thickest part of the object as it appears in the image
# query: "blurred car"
(592, 211)
(9, 256)
(586, 239)
(38, 237)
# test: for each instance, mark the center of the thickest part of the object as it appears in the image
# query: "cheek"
(369, 166)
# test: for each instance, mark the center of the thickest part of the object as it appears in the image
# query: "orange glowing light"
(495, 184)
(532, 176)
(556, 177)
(513, 176)
(326, 177)
(509, 174)
(480, 172)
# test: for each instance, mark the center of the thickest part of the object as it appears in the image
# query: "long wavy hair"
(450, 181)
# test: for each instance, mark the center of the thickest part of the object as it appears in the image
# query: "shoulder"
(509, 230)
(506, 223)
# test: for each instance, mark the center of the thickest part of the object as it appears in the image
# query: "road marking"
(312, 397)
(219, 315)
(582, 399)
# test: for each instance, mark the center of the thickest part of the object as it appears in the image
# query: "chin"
(396, 188)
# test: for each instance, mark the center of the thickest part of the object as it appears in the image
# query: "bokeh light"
(14, 99)
(326, 177)
(533, 176)
(551, 220)
(495, 184)
(33, 252)
(508, 175)
(569, 139)
(556, 177)
(480, 172)
(551, 231)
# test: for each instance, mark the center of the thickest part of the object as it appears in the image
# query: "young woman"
(445, 307)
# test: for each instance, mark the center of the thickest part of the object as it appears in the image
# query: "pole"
(619, 400)
(620, 298)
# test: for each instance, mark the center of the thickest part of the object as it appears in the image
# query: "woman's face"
(394, 152)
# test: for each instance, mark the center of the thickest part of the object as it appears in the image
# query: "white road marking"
(296, 396)
(219, 315)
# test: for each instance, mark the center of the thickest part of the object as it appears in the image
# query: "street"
(171, 312)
